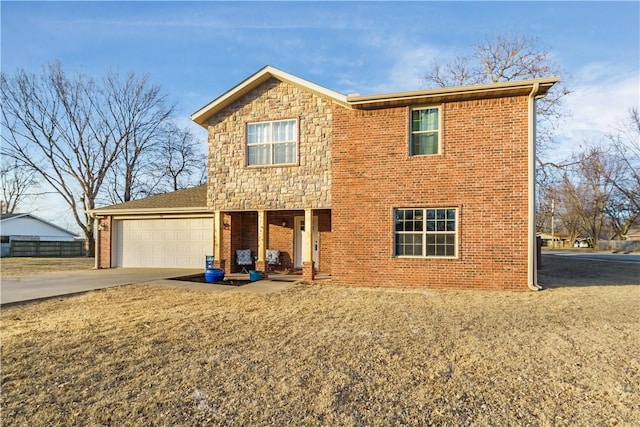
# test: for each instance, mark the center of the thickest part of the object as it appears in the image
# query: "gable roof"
(252, 82)
(192, 199)
(537, 88)
(9, 217)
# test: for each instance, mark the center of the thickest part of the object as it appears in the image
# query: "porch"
(303, 251)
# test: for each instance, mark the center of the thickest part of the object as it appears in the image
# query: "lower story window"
(426, 232)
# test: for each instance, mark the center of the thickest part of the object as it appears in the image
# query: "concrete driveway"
(70, 282)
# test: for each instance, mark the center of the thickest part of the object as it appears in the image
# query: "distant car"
(581, 244)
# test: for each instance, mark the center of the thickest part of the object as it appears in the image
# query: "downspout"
(532, 273)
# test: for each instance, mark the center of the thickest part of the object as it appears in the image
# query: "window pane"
(450, 250)
(284, 153)
(424, 143)
(409, 244)
(258, 155)
(431, 245)
(431, 225)
(408, 220)
(426, 119)
(451, 220)
(258, 132)
(284, 131)
(399, 220)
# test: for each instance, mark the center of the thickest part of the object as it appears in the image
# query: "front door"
(299, 242)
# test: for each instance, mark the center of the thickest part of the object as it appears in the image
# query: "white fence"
(619, 245)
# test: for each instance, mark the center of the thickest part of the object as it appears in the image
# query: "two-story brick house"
(426, 188)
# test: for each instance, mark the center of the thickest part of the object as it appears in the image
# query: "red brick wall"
(244, 235)
(326, 241)
(481, 171)
(281, 237)
(104, 255)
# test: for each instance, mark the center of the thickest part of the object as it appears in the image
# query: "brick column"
(261, 266)
(104, 246)
(308, 272)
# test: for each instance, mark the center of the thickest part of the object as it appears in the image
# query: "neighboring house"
(556, 241)
(633, 234)
(398, 189)
(24, 226)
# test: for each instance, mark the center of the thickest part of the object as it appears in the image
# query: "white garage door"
(170, 243)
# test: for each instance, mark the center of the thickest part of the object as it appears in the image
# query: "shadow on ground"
(560, 271)
(200, 278)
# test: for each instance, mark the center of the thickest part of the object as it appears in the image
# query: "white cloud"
(601, 98)
(408, 64)
(410, 67)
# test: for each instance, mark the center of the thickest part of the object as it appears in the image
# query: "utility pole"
(553, 239)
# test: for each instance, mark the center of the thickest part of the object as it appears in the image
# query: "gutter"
(532, 273)
(150, 211)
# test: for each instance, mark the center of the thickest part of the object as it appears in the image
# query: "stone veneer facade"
(234, 186)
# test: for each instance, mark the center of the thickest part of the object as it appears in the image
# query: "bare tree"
(69, 130)
(589, 195)
(568, 216)
(141, 114)
(503, 59)
(626, 146)
(622, 172)
(180, 163)
(599, 189)
(18, 184)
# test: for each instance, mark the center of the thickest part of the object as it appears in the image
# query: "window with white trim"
(272, 143)
(430, 232)
(425, 131)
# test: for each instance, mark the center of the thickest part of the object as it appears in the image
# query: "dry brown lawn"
(324, 355)
(30, 266)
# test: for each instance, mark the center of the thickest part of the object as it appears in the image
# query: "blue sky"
(198, 50)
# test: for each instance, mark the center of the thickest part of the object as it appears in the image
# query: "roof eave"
(522, 87)
(44, 221)
(149, 211)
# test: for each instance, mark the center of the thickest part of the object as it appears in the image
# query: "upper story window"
(425, 131)
(272, 143)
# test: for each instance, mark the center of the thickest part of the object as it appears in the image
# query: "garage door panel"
(178, 243)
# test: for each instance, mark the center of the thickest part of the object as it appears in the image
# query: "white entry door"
(299, 242)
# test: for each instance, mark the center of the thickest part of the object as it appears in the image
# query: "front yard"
(324, 355)
(32, 266)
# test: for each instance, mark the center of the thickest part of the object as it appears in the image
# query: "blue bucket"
(213, 275)
(255, 275)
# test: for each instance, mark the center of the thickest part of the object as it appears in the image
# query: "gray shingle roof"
(9, 216)
(194, 197)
